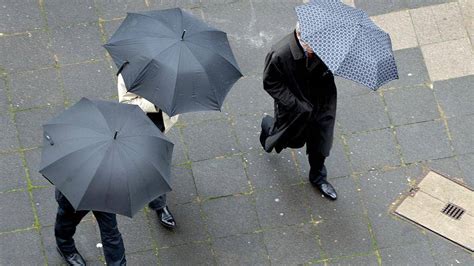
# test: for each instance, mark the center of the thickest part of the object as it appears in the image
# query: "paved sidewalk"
(234, 203)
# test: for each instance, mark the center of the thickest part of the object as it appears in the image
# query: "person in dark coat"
(67, 220)
(305, 98)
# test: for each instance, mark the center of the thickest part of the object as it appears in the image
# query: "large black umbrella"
(174, 60)
(106, 156)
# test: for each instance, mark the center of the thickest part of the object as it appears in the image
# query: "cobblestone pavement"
(235, 204)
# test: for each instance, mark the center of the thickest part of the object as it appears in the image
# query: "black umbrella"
(106, 156)
(174, 60)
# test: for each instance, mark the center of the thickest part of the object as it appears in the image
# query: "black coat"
(305, 98)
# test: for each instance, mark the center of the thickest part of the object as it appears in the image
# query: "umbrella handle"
(49, 139)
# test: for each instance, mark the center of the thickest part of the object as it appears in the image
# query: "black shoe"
(266, 124)
(166, 218)
(327, 190)
(73, 258)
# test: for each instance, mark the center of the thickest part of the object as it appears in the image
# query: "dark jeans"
(160, 202)
(67, 220)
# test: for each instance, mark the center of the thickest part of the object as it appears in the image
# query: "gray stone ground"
(235, 204)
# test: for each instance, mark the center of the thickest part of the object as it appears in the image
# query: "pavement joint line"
(365, 214)
(207, 241)
(350, 256)
(13, 190)
(18, 230)
(112, 19)
(154, 241)
(15, 110)
(391, 126)
(36, 224)
(392, 129)
(199, 201)
(408, 11)
(85, 62)
(444, 41)
(253, 198)
(13, 34)
(23, 71)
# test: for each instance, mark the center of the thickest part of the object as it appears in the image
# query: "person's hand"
(304, 107)
(307, 48)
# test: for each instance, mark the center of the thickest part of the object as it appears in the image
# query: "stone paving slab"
(29, 123)
(3, 96)
(13, 172)
(200, 253)
(292, 245)
(20, 16)
(64, 13)
(374, 7)
(374, 149)
(421, 141)
(362, 113)
(450, 59)
(77, 43)
(234, 203)
(400, 28)
(411, 105)
(83, 80)
(454, 96)
(26, 51)
(411, 68)
(36, 88)
(246, 249)
(29, 241)
(16, 211)
(230, 216)
(33, 159)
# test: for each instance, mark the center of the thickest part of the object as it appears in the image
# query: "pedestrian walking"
(98, 154)
(67, 219)
(164, 123)
(305, 97)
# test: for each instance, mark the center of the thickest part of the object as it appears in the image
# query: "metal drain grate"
(453, 211)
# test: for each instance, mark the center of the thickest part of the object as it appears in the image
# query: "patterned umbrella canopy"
(350, 44)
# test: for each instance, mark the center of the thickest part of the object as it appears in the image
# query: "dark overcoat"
(305, 98)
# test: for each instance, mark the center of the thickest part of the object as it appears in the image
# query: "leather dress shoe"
(327, 190)
(166, 218)
(73, 258)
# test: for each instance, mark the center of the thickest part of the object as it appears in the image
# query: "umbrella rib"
(69, 154)
(176, 81)
(197, 32)
(225, 59)
(95, 172)
(207, 74)
(132, 148)
(73, 125)
(150, 17)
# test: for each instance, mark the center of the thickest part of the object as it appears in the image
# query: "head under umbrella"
(348, 42)
(174, 60)
(106, 156)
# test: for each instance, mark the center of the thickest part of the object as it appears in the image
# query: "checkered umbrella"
(350, 44)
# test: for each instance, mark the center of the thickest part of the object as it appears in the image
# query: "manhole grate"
(435, 204)
(453, 211)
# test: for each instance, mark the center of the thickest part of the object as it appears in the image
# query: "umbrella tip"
(115, 136)
(182, 36)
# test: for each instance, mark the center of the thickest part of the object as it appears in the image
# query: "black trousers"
(160, 202)
(67, 220)
(317, 172)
